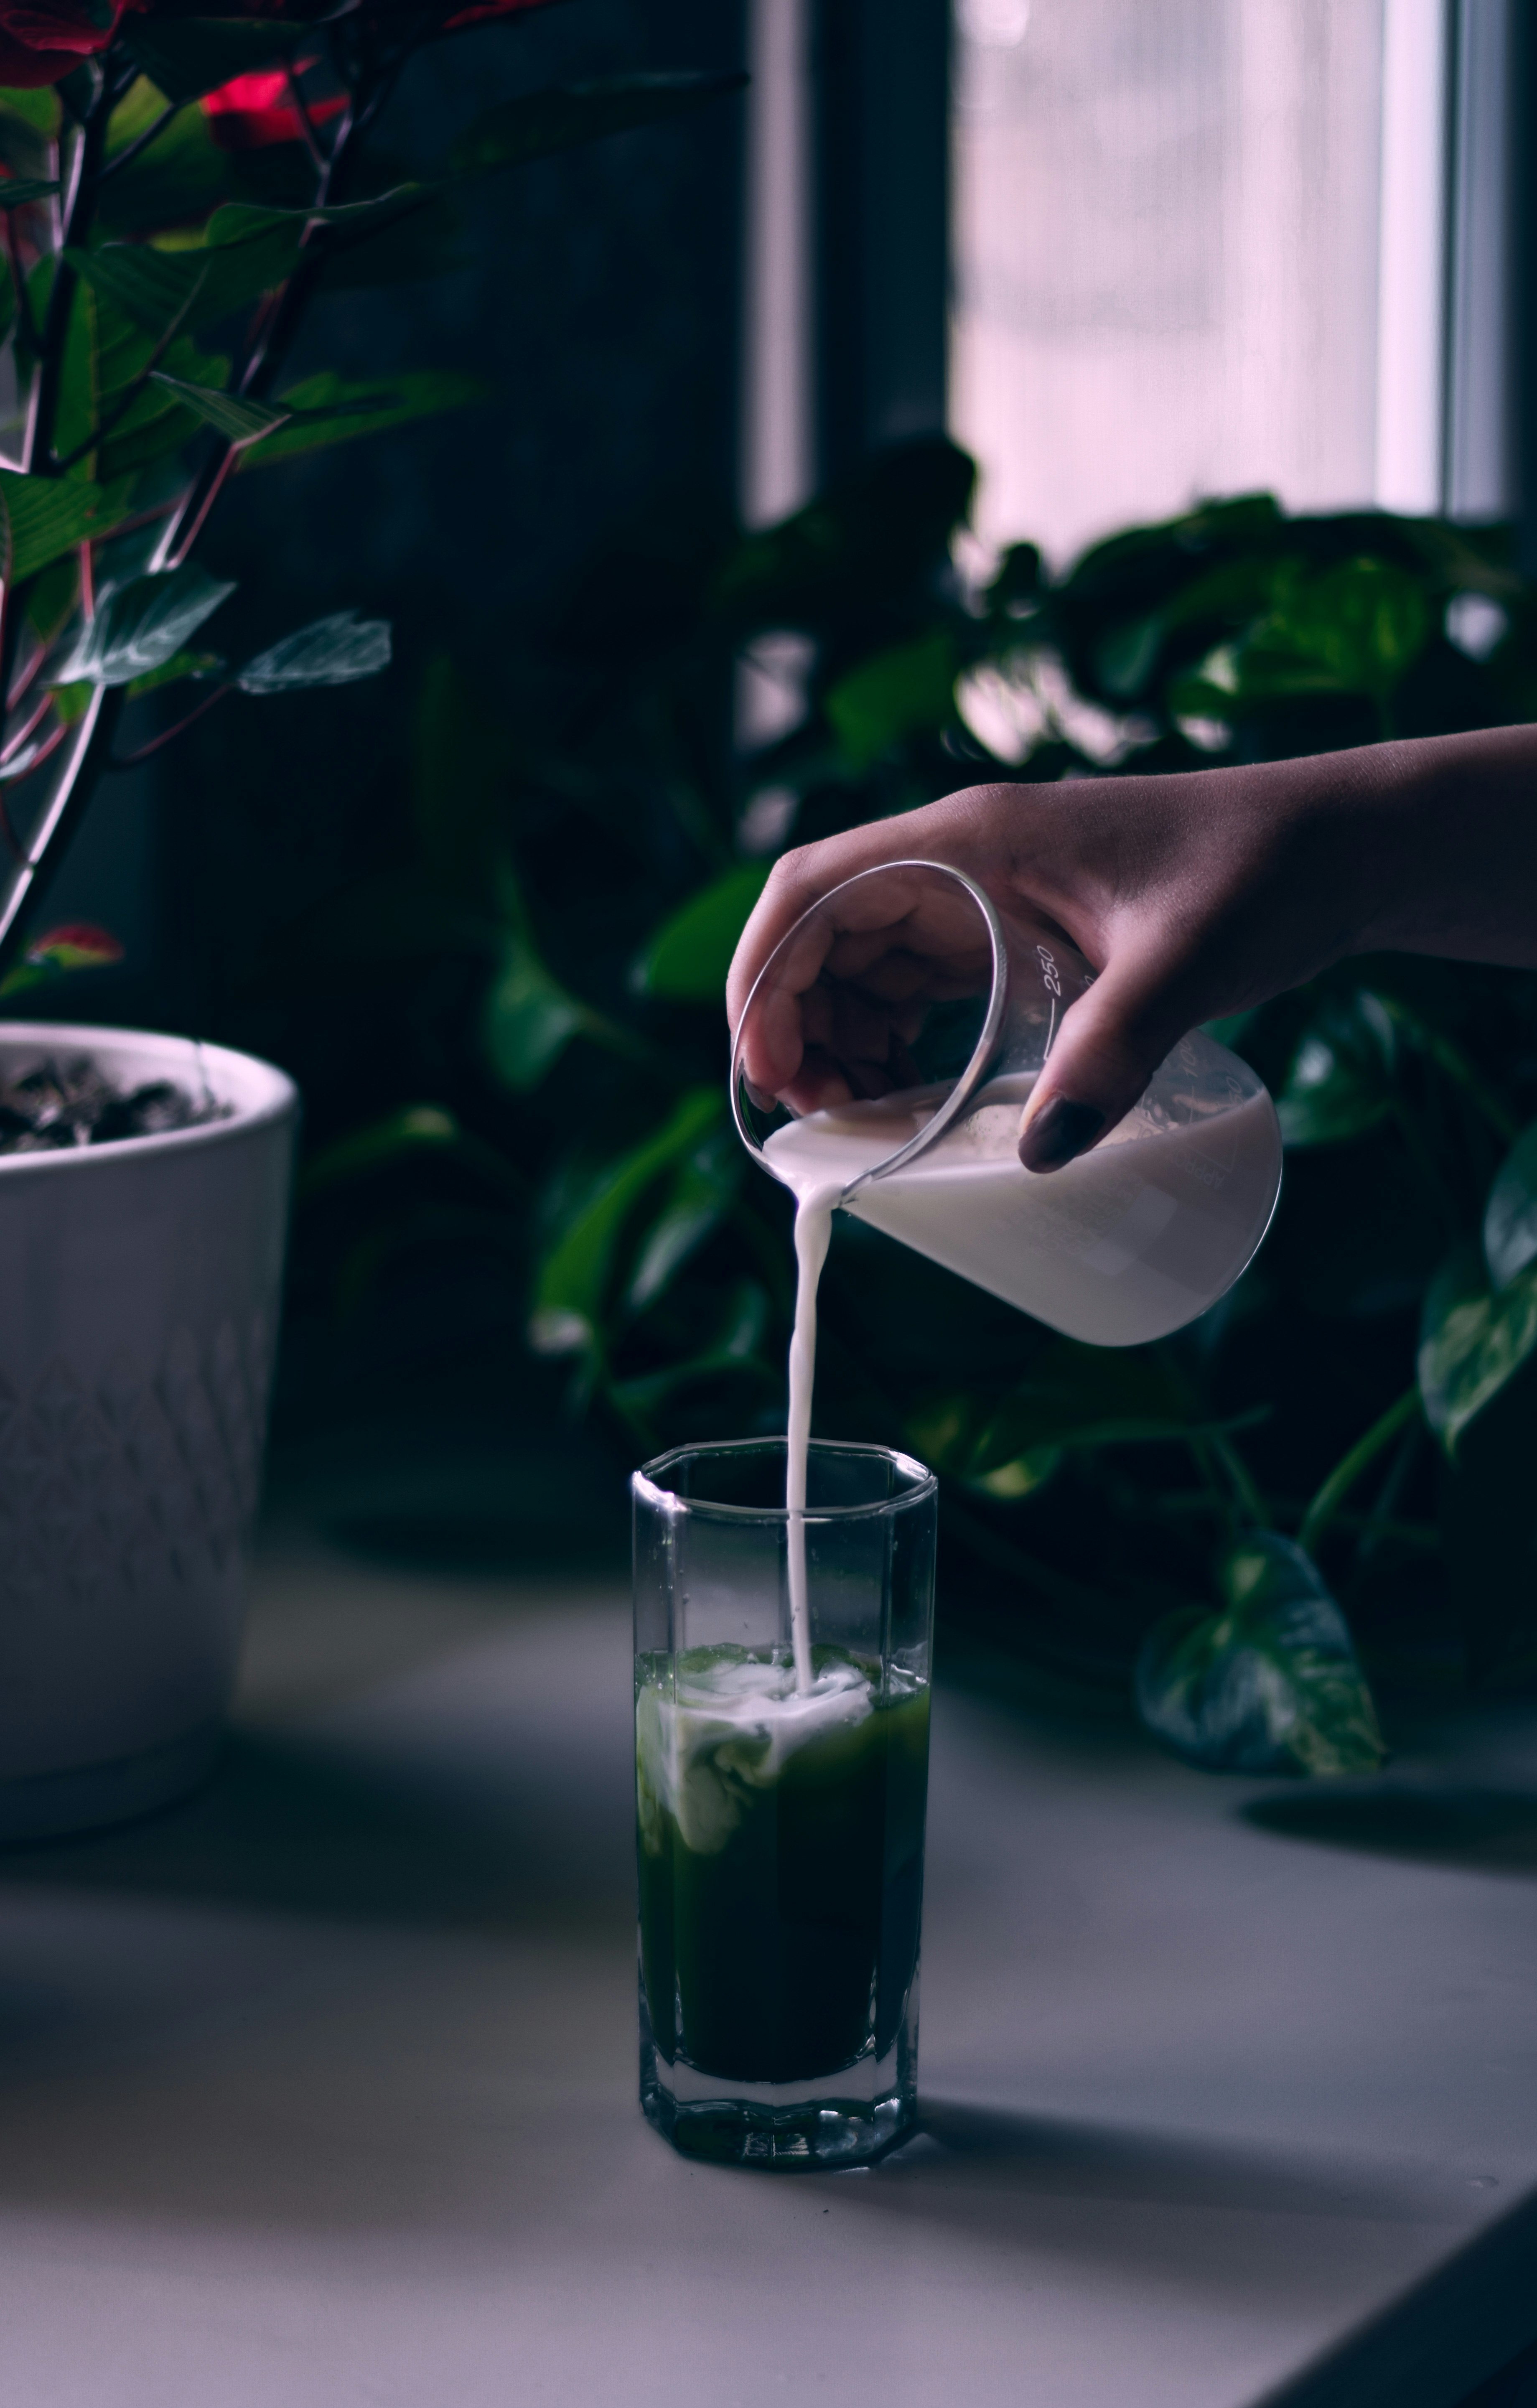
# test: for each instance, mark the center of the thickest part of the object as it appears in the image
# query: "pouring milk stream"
(1124, 1244)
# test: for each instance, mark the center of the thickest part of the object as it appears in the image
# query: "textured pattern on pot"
(139, 1288)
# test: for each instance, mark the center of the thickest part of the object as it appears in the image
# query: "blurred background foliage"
(575, 845)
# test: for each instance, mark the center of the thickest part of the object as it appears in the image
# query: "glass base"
(848, 2118)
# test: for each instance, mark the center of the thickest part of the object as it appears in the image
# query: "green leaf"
(1472, 1341)
(51, 598)
(1126, 657)
(1341, 1082)
(1082, 1396)
(105, 384)
(335, 651)
(1510, 1216)
(1356, 628)
(43, 517)
(38, 108)
(572, 1283)
(79, 406)
(184, 173)
(78, 946)
(1022, 1475)
(416, 1132)
(693, 1209)
(141, 106)
(328, 408)
(230, 414)
(190, 287)
(155, 422)
(426, 242)
(951, 1432)
(528, 1018)
(239, 223)
(152, 287)
(141, 626)
(181, 665)
(185, 57)
(878, 532)
(72, 702)
(688, 957)
(1270, 1683)
(1017, 588)
(905, 692)
(539, 123)
(734, 1348)
(17, 191)
(418, 1128)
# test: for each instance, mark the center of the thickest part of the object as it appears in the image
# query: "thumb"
(1110, 1043)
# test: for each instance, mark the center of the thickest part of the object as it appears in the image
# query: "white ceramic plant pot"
(139, 1289)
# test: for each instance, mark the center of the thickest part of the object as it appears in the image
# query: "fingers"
(893, 940)
(1108, 1047)
(954, 831)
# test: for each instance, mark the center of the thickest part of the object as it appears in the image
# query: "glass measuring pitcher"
(890, 1044)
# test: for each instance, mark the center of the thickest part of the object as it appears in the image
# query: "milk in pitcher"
(1124, 1244)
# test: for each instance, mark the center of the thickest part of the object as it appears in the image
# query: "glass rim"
(648, 1485)
(982, 1051)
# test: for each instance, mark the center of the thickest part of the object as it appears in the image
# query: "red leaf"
(484, 11)
(252, 110)
(77, 946)
(41, 41)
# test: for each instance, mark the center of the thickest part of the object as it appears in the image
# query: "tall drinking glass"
(780, 1828)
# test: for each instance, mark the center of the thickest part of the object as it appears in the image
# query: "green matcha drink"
(781, 1840)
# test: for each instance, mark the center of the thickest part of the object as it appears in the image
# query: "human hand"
(1192, 895)
(856, 984)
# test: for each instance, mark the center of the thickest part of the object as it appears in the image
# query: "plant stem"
(73, 787)
(169, 735)
(1448, 1056)
(1379, 1524)
(1215, 1452)
(312, 142)
(23, 298)
(78, 200)
(276, 325)
(85, 745)
(45, 752)
(13, 744)
(1340, 1481)
(131, 150)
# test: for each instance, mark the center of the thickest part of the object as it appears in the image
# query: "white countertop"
(320, 2090)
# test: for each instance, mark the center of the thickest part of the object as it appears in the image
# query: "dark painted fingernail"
(1058, 1132)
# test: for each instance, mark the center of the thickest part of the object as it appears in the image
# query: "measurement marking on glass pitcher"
(1053, 979)
(1209, 1174)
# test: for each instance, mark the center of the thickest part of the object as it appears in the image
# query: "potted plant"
(178, 187)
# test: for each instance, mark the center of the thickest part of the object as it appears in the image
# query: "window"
(1214, 245)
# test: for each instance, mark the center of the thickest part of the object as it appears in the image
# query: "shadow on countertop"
(507, 1814)
(1485, 1829)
